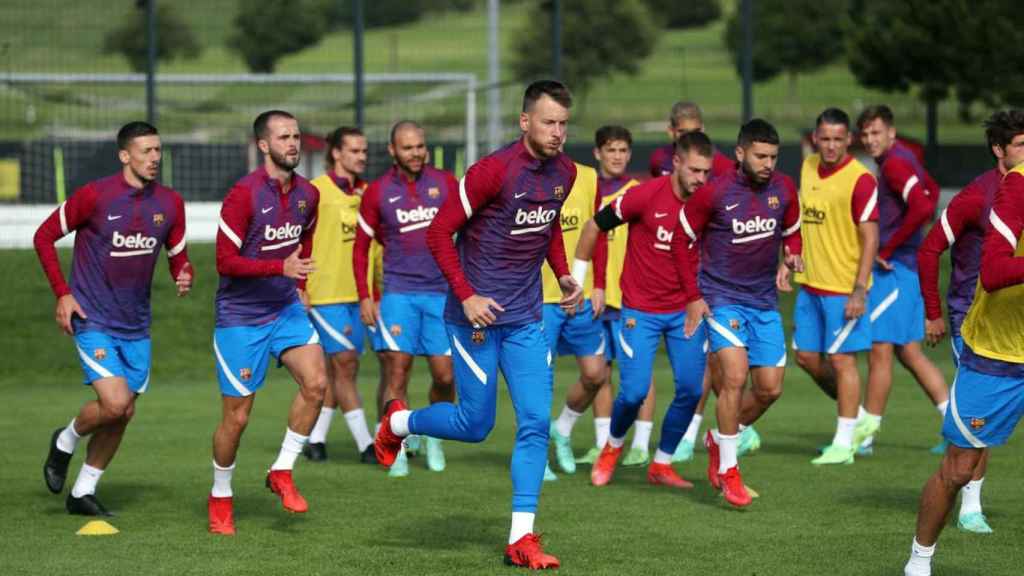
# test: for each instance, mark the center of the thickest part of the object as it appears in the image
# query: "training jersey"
(907, 197)
(578, 207)
(833, 202)
(742, 227)
(119, 231)
(396, 212)
(260, 226)
(333, 282)
(608, 190)
(507, 218)
(994, 326)
(961, 228)
(660, 163)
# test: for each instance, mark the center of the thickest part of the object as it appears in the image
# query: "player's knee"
(768, 394)
(958, 467)
(314, 388)
(477, 429)
(633, 396)
(236, 421)
(116, 409)
(592, 380)
(807, 360)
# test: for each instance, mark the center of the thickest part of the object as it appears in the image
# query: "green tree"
(378, 13)
(599, 38)
(684, 13)
(266, 31)
(174, 38)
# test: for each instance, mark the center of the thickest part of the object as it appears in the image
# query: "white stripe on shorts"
(227, 371)
(725, 333)
(473, 366)
(956, 417)
(338, 336)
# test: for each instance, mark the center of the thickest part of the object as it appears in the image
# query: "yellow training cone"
(97, 528)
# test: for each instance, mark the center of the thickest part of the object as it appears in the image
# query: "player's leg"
(842, 449)
(605, 396)
(583, 337)
(727, 334)
(640, 448)
(684, 452)
(341, 336)
(345, 367)
(971, 518)
(766, 354)
(809, 335)
(442, 389)
(926, 373)
(885, 318)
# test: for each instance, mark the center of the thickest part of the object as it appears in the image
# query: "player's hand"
(856, 304)
(572, 295)
(184, 280)
(597, 301)
(296, 267)
(934, 330)
(696, 312)
(67, 307)
(794, 262)
(885, 264)
(368, 312)
(782, 278)
(304, 298)
(480, 310)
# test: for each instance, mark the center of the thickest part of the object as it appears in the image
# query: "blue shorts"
(106, 356)
(339, 327)
(983, 409)
(759, 331)
(578, 335)
(242, 351)
(612, 328)
(412, 323)
(821, 325)
(896, 306)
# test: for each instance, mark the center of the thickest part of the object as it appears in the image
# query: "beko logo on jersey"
(755, 228)
(536, 219)
(664, 239)
(570, 221)
(135, 244)
(417, 214)
(812, 215)
(284, 236)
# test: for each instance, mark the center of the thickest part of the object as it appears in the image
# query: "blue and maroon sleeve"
(696, 213)
(864, 203)
(999, 267)
(600, 256)
(71, 214)
(791, 237)
(918, 196)
(687, 257)
(306, 242)
(963, 210)
(235, 215)
(177, 252)
(367, 229)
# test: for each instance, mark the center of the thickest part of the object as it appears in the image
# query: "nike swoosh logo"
(731, 206)
(660, 214)
(836, 332)
(394, 199)
(265, 210)
(521, 194)
(112, 217)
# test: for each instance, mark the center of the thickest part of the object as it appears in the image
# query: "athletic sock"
(400, 423)
(222, 481)
(970, 497)
(941, 407)
(88, 477)
(322, 426)
(566, 420)
(356, 420)
(616, 442)
(291, 447)
(662, 457)
(727, 451)
(920, 559)
(642, 436)
(522, 524)
(844, 432)
(602, 428)
(68, 438)
(693, 430)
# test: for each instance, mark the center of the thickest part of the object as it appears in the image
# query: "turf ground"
(841, 520)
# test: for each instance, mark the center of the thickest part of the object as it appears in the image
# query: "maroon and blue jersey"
(260, 226)
(907, 197)
(119, 232)
(741, 227)
(397, 212)
(507, 218)
(660, 163)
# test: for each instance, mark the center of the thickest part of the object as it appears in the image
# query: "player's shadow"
(886, 498)
(455, 531)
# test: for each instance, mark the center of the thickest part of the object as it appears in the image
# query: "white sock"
(68, 439)
(844, 432)
(522, 524)
(662, 457)
(727, 451)
(920, 563)
(941, 407)
(970, 497)
(400, 423)
(376, 428)
(861, 412)
(693, 430)
(222, 481)
(322, 426)
(642, 436)
(356, 420)
(86, 482)
(616, 442)
(291, 447)
(602, 428)
(566, 420)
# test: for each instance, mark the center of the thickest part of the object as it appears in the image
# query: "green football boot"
(563, 451)
(549, 475)
(835, 455)
(684, 451)
(974, 522)
(435, 455)
(636, 457)
(590, 457)
(750, 441)
(400, 469)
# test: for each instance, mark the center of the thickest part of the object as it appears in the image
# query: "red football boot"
(665, 475)
(733, 489)
(221, 513)
(387, 444)
(604, 468)
(712, 448)
(527, 553)
(280, 483)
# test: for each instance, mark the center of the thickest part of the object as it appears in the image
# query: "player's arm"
(600, 261)
(999, 266)
(571, 283)
(864, 209)
(306, 245)
(693, 217)
(920, 198)
(792, 240)
(177, 253)
(367, 231)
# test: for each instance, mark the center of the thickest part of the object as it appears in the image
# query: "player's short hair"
(259, 126)
(833, 116)
(697, 142)
(875, 112)
(133, 130)
(1003, 126)
(683, 110)
(402, 125)
(612, 133)
(336, 140)
(551, 88)
(757, 130)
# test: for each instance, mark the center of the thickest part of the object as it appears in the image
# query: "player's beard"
(407, 168)
(754, 176)
(282, 161)
(143, 178)
(540, 148)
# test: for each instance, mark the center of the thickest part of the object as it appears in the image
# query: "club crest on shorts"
(630, 323)
(395, 330)
(302, 206)
(347, 331)
(977, 423)
(158, 219)
(477, 337)
(734, 324)
(99, 353)
(559, 192)
(245, 373)
(434, 192)
(773, 202)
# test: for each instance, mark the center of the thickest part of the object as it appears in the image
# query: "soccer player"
(743, 221)
(685, 117)
(987, 399)
(120, 223)
(264, 242)
(962, 228)
(839, 229)
(655, 301)
(507, 218)
(334, 302)
(907, 196)
(396, 211)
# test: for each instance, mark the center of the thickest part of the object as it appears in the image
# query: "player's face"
(684, 126)
(143, 157)
(613, 157)
(409, 150)
(545, 126)
(1012, 155)
(877, 137)
(691, 171)
(352, 155)
(758, 161)
(832, 141)
(283, 143)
